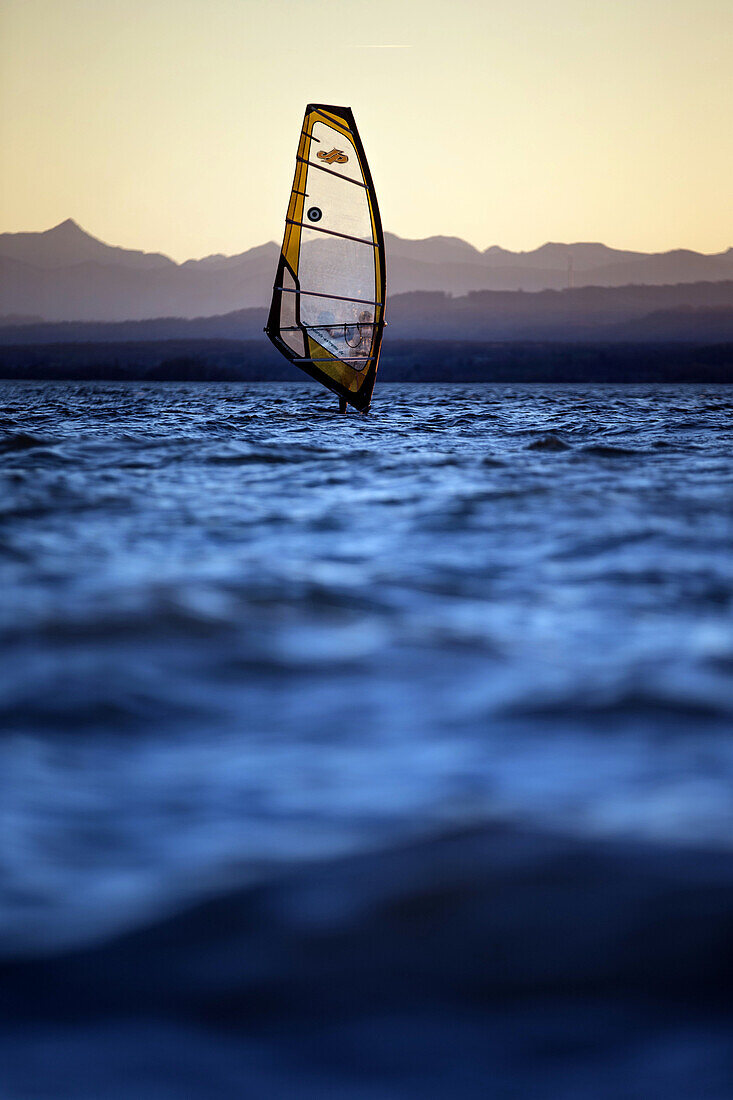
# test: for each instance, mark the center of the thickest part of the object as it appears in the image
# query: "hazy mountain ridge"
(67, 244)
(65, 274)
(702, 312)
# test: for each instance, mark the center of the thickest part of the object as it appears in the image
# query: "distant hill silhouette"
(65, 274)
(611, 314)
(694, 312)
(68, 244)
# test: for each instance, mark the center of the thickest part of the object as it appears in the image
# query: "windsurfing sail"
(327, 312)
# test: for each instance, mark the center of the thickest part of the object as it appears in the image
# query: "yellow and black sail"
(327, 313)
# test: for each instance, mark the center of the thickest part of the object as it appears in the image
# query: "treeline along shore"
(402, 361)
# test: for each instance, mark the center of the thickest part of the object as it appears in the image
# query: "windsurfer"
(327, 311)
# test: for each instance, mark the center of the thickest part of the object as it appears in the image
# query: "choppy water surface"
(238, 629)
(241, 633)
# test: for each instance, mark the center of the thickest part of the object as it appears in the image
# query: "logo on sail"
(336, 156)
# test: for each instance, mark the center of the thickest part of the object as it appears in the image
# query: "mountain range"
(690, 313)
(65, 274)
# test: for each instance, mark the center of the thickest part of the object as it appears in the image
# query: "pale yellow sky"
(171, 125)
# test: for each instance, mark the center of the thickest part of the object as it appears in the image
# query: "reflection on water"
(476, 643)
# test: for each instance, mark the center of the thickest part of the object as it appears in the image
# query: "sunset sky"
(171, 125)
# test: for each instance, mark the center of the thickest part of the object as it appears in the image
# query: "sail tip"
(342, 112)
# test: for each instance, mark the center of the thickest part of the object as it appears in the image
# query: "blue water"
(243, 636)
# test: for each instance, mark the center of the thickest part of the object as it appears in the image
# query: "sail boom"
(354, 359)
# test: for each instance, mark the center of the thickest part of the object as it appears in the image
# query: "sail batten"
(327, 312)
(320, 294)
(330, 171)
(333, 233)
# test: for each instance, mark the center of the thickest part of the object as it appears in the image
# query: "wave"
(523, 958)
(22, 441)
(629, 703)
(606, 450)
(548, 442)
(254, 458)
